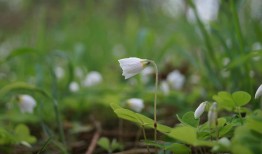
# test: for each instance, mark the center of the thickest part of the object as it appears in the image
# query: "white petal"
(131, 66)
(212, 115)
(136, 104)
(92, 78)
(258, 92)
(26, 103)
(200, 110)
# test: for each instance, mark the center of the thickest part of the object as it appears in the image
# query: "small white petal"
(212, 115)
(200, 110)
(73, 86)
(131, 66)
(164, 87)
(176, 79)
(258, 92)
(92, 78)
(135, 104)
(26, 103)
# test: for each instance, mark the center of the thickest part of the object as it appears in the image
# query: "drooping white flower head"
(212, 115)
(258, 92)
(135, 104)
(132, 66)
(176, 79)
(73, 86)
(26, 103)
(92, 78)
(200, 110)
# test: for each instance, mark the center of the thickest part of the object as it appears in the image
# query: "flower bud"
(200, 110)
(212, 115)
(258, 92)
(26, 103)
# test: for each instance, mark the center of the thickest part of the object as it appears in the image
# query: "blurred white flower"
(132, 66)
(92, 78)
(73, 86)
(59, 72)
(164, 87)
(212, 115)
(176, 79)
(206, 9)
(146, 72)
(258, 92)
(200, 110)
(226, 61)
(26, 103)
(173, 8)
(224, 142)
(256, 7)
(135, 104)
(256, 46)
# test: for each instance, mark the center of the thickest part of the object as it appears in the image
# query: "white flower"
(212, 115)
(26, 103)
(132, 66)
(59, 72)
(92, 78)
(206, 9)
(135, 104)
(176, 79)
(200, 110)
(164, 87)
(73, 86)
(258, 92)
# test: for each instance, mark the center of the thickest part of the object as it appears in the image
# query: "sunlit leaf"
(241, 98)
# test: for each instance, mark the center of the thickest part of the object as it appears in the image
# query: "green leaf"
(189, 119)
(22, 133)
(115, 145)
(177, 148)
(224, 100)
(241, 98)
(137, 118)
(186, 134)
(104, 143)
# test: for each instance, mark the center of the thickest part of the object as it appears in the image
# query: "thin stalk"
(56, 108)
(144, 134)
(155, 99)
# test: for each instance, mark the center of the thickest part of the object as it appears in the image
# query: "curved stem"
(155, 99)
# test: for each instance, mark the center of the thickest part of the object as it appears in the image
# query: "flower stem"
(155, 99)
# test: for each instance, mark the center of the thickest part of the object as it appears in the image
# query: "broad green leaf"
(178, 148)
(104, 143)
(190, 119)
(246, 140)
(137, 118)
(22, 133)
(241, 98)
(186, 134)
(224, 100)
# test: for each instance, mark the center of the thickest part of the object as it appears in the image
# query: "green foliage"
(109, 147)
(230, 101)
(189, 119)
(167, 146)
(137, 118)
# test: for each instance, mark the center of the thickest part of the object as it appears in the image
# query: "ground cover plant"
(133, 76)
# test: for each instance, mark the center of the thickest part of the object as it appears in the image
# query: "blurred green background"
(50, 44)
